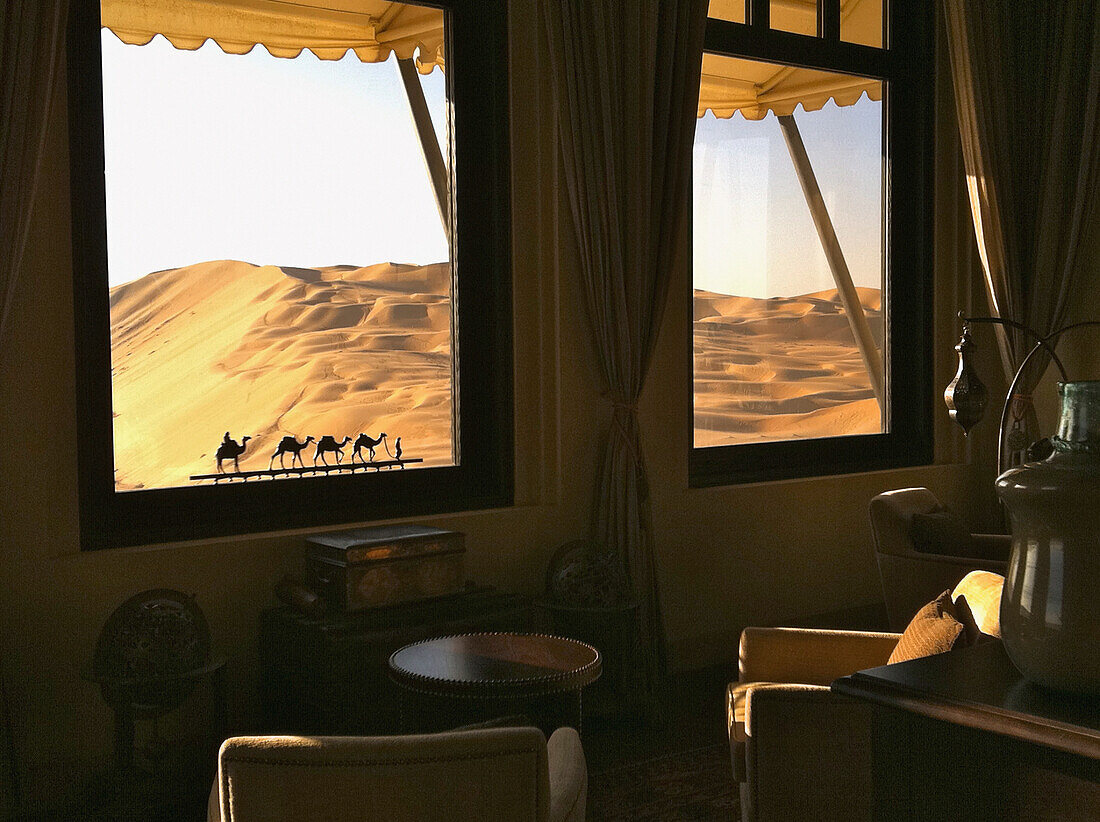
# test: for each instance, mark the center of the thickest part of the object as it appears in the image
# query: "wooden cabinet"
(328, 675)
(962, 735)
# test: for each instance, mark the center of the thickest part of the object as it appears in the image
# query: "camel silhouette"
(366, 441)
(230, 450)
(326, 444)
(289, 445)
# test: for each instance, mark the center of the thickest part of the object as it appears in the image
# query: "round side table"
(456, 680)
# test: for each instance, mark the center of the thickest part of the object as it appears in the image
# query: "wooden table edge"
(564, 682)
(1049, 732)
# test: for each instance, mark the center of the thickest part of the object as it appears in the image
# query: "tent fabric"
(373, 29)
(730, 85)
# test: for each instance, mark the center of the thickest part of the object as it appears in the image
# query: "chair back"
(912, 578)
(459, 776)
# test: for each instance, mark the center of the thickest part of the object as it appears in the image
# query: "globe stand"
(588, 598)
(152, 654)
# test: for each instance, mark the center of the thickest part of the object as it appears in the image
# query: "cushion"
(941, 532)
(982, 591)
(937, 628)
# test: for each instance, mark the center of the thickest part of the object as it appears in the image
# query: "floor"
(695, 717)
(676, 769)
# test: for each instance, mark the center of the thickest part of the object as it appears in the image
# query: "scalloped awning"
(730, 85)
(373, 29)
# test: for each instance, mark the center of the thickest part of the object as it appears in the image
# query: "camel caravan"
(363, 454)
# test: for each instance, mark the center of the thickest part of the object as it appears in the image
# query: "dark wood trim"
(91, 307)
(793, 459)
(478, 83)
(908, 200)
(1052, 734)
(979, 688)
(776, 46)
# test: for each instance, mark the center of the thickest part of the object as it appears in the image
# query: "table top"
(979, 687)
(496, 664)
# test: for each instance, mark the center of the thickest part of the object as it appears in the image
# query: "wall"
(726, 557)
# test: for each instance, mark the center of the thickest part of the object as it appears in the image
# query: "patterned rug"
(689, 786)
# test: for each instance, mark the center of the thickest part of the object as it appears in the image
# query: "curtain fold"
(626, 86)
(31, 44)
(1027, 86)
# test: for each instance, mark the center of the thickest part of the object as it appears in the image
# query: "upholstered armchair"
(922, 550)
(495, 773)
(799, 750)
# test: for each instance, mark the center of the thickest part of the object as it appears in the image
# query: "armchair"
(495, 773)
(799, 750)
(911, 577)
(787, 728)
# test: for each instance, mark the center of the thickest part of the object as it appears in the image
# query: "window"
(811, 242)
(291, 243)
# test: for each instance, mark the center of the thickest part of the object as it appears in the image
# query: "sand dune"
(780, 368)
(267, 352)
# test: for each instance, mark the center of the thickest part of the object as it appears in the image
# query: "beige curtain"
(1027, 86)
(626, 86)
(30, 56)
(31, 44)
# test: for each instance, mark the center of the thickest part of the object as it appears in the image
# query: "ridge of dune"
(269, 351)
(728, 304)
(780, 368)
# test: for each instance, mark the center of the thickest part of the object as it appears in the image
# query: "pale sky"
(297, 162)
(752, 232)
(307, 162)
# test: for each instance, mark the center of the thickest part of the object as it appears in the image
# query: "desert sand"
(780, 369)
(266, 352)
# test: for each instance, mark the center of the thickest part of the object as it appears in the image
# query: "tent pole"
(429, 145)
(846, 289)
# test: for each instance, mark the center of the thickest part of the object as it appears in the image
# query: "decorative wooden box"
(384, 565)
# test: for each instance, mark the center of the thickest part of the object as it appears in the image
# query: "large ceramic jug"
(1050, 608)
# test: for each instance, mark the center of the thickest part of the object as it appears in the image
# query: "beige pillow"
(982, 590)
(937, 628)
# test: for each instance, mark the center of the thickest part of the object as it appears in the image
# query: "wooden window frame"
(477, 77)
(906, 66)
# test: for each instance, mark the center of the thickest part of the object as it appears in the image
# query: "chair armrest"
(810, 656)
(784, 698)
(568, 776)
(808, 754)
